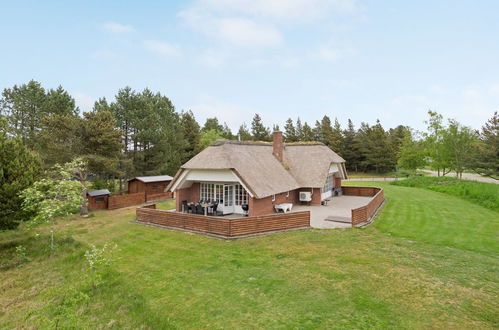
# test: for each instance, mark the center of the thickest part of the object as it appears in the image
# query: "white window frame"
(240, 195)
(328, 185)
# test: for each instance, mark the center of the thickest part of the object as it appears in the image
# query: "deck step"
(339, 219)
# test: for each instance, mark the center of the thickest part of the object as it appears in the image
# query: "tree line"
(141, 133)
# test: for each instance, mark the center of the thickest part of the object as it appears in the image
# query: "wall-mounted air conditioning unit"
(305, 196)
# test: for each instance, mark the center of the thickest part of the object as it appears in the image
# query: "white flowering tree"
(53, 197)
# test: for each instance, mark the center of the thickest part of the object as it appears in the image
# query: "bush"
(484, 194)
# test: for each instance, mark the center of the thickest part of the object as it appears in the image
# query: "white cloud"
(258, 23)
(162, 48)
(117, 27)
(281, 10)
(246, 33)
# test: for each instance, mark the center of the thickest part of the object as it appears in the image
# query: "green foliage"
(19, 169)
(208, 137)
(28, 105)
(244, 134)
(151, 132)
(191, 132)
(375, 148)
(54, 196)
(484, 194)
(258, 130)
(485, 158)
(411, 155)
(290, 131)
(212, 124)
(99, 183)
(98, 261)
(100, 142)
(307, 133)
(351, 148)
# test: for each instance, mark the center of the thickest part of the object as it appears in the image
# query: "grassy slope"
(485, 194)
(399, 273)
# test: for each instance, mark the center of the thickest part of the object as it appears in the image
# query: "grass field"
(429, 261)
(485, 194)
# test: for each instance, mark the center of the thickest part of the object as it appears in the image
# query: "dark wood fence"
(228, 228)
(119, 201)
(158, 196)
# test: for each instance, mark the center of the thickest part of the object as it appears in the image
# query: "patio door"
(228, 198)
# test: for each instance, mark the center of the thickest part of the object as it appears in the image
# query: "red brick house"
(260, 175)
(150, 185)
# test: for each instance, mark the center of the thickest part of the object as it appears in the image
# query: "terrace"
(356, 207)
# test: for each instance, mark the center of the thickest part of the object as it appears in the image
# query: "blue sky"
(363, 60)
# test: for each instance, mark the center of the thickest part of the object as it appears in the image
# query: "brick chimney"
(278, 145)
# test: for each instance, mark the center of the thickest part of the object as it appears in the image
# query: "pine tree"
(376, 149)
(308, 133)
(101, 142)
(244, 134)
(191, 132)
(299, 130)
(227, 133)
(60, 140)
(337, 138)
(290, 131)
(258, 130)
(58, 101)
(487, 157)
(351, 148)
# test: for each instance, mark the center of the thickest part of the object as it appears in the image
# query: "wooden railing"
(224, 227)
(364, 214)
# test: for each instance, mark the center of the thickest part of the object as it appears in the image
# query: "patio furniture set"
(206, 207)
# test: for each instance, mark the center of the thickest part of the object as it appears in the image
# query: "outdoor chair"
(199, 209)
(245, 208)
(213, 208)
(185, 206)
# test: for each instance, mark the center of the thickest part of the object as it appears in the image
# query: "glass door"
(228, 199)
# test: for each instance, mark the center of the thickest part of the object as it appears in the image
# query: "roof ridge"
(218, 143)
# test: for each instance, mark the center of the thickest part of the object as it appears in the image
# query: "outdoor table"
(205, 207)
(284, 207)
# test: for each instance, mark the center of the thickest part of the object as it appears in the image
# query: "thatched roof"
(304, 165)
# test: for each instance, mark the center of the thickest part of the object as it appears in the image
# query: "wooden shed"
(152, 186)
(98, 199)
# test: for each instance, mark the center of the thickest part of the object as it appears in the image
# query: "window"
(219, 193)
(207, 191)
(241, 195)
(328, 186)
(99, 199)
(154, 187)
(228, 193)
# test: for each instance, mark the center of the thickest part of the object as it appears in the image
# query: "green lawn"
(429, 261)
(485, 194)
